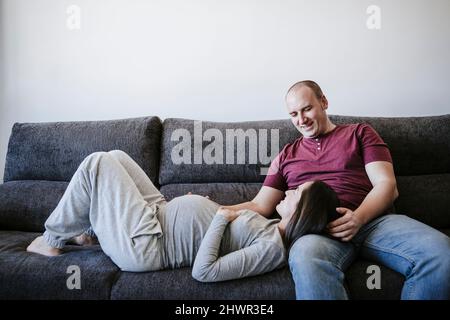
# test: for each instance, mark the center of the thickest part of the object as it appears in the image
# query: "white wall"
(218, 60)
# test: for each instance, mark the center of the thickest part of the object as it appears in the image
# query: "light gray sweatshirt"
(216, 249)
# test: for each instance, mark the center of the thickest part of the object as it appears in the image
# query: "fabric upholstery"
(179, 284)
(26, 204)
(356, 277)
(418, 144)
(42, 158)
(28, 276)
(425, 198)
(25, 275)
(53, 151)
(411, 141)
(276, 285)
(231, 171)
(222, 193)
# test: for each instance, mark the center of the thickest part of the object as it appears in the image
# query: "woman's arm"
(256, 259)
(264, 202)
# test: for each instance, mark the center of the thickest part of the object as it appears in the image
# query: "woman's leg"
(102, 194)
(145, 186)
(140, 178)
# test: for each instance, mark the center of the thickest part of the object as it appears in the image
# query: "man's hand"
(229, 214)
(190, 193)
(345, 227)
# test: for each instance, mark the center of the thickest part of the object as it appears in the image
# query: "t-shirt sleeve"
(258, 258)
(373, 148)
(275, 178)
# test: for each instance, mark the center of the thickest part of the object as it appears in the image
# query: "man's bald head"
(306, 83)
(307, 107)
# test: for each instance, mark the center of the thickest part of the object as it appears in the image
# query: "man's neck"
(330, 127)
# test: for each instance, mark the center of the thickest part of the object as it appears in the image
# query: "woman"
(111, 196)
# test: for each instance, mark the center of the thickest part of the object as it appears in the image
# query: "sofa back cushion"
(53, 151)
(419, 145)
(425, 198)
(26, 204)
(205, 151)
(420, 148)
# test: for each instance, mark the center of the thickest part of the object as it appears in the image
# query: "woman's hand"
(345, 227)
(229, 214)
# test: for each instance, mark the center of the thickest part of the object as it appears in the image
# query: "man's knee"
(313, 252)
(444, 261)
(309, 258)
(438, 253)
(308, 247)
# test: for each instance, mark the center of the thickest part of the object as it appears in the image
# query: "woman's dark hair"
(317, 207)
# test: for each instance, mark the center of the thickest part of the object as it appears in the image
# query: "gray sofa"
(42, 157)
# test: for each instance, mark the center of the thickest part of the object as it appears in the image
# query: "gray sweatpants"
(111, 195)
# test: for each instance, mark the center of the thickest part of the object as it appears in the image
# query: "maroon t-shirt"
(336, 158)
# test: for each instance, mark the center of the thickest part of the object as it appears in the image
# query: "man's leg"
(419, 252)
(317, 265)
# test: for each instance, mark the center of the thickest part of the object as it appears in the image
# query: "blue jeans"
(419, 252)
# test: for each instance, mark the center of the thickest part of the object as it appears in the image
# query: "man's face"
(307, 111)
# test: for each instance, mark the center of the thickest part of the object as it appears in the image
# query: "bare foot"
(84, 240)
(40, 246)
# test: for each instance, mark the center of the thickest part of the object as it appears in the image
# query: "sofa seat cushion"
(25, 205)
(179, 284)
(278, 284)
(25, 275)
(391, 282)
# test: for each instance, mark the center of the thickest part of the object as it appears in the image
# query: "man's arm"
(381, 197)
(384, 192)
(264, 203)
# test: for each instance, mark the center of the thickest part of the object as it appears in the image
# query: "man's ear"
(324, 102)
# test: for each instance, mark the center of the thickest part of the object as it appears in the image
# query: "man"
(356, 163)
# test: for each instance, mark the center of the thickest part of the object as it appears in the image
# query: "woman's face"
(290, 202)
